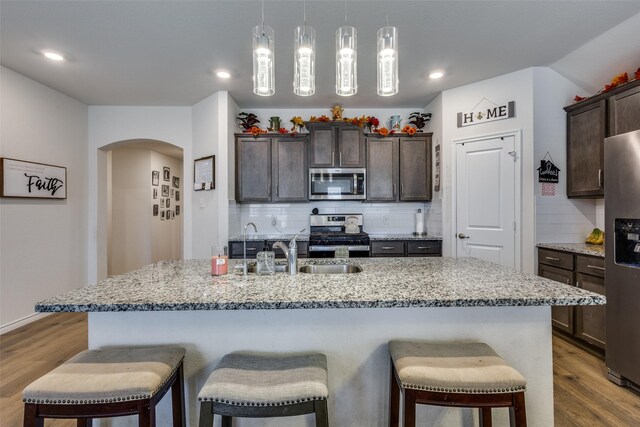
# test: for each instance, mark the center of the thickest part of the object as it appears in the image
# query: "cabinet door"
(590, 319)
(561, 317)
(351, 148)
(289, 170)
(382, 169)
(415, 168)
(624, 111)
(424, 248)
(253, 170)
(322, 146)
(586, 129)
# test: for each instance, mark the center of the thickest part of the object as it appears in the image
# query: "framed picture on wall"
(162, 215)
(177, 196)
(204, 172)
(168, 204)
(155, 177)
(162, 203)
(165, 191)
(155, 210)
(173, 192)
(173, 215)
(168, 214)
(166, 173)
(177, 209)
(155, 193)
(175, 182)
(23, 179)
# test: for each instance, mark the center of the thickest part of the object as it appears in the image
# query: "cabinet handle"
(569, 282)
(333, 158)
(277, 190)
(552, 259)
(423, 247)
(595, 267)
(269, 189)
(252, 249)
(340, 158)
(577, 284)
(394, 190)
(401, 189)
(388, 248)
(599, 178)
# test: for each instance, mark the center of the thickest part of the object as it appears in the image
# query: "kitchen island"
(348, 317)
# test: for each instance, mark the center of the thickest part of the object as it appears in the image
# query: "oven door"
(337, 184)
(330, 251)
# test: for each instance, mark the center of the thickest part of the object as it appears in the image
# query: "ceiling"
(165, 52)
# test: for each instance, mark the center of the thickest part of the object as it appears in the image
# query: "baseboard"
(22, 322)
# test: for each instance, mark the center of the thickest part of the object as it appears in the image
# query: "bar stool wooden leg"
(409, 408)
(206, 416)
(30, 416)
(394, 399)
(226, 421)
(518, 412)
(485, 417)
(146, 415)
(83, 422)
(177, 399)
(322, 414)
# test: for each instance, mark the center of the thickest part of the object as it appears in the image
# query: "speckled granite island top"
(384, 282)
(575, 248)
(407, 236)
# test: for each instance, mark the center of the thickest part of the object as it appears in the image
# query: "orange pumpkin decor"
(255, 131)
(383, 131)
(411, 131)
(637, 74)
(283, 131)
(323, 118)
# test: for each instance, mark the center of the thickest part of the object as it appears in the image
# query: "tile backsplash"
(378, 218)
(563, 220)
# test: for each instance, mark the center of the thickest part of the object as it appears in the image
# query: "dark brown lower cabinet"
(406, 248)
(585, 324)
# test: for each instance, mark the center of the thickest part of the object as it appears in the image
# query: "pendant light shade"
(346, 61)
(263, 61)
(304, 80)
(387, 61)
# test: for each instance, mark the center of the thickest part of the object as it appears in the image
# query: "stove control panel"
(334, 219)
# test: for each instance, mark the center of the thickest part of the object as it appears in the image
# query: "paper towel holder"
(420, 233)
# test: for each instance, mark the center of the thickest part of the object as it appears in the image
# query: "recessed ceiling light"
(436, 75)
(223, 74)
(53, 55)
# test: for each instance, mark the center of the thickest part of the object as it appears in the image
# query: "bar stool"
(459, 374)
(109, 382)
(259, 385)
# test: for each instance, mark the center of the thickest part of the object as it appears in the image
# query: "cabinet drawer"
(253, 247)
(424, 248)
(555, 258)
(387, 248)
(590, 265)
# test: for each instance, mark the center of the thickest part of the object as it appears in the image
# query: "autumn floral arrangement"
(410, 130)
(297, 123)
(618, 80)
(255, 131)
(247, 121)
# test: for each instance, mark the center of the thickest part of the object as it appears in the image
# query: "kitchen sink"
(330, 269)
(279, 268)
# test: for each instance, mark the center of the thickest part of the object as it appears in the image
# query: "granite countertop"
(384, 282)
(283, 237)
(407, 236)
(576, 248)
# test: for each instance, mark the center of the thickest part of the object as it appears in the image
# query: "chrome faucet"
(244, 246)
(290, 253)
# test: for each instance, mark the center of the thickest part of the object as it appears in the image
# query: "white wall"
(107, 127)
(433, 210)
(136, 237)
(558, 219)
(43, 246)
(518, 87)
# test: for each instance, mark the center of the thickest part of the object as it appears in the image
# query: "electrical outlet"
(385, 220)
(274, 221)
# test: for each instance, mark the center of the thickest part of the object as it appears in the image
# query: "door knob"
(462, 236)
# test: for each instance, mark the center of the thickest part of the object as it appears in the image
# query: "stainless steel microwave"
(337, 184)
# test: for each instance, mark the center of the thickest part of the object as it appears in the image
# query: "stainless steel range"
(333, 232)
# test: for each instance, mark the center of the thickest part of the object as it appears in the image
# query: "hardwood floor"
(583, 396)
(30, 352)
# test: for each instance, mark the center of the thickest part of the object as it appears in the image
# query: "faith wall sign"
(19, 178)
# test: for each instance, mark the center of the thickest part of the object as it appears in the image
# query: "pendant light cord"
(263, 17)
(304, 14)
(345, 11)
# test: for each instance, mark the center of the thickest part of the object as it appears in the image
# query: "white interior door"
(485, 199)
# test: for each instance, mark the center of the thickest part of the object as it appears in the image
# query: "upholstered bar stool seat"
(258, 385)
(109, 382)
(462, 374)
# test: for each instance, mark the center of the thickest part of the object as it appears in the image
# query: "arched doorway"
(144, 181)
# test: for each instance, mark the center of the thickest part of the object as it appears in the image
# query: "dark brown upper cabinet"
(399, 168)
(271, 169)
(336, 145)
(588, 123)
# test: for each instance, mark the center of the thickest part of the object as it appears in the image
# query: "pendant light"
(387, 60)
(263, 59)
(346, 59)
(304, 77)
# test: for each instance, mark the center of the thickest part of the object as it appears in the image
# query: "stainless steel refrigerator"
(622, 257)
